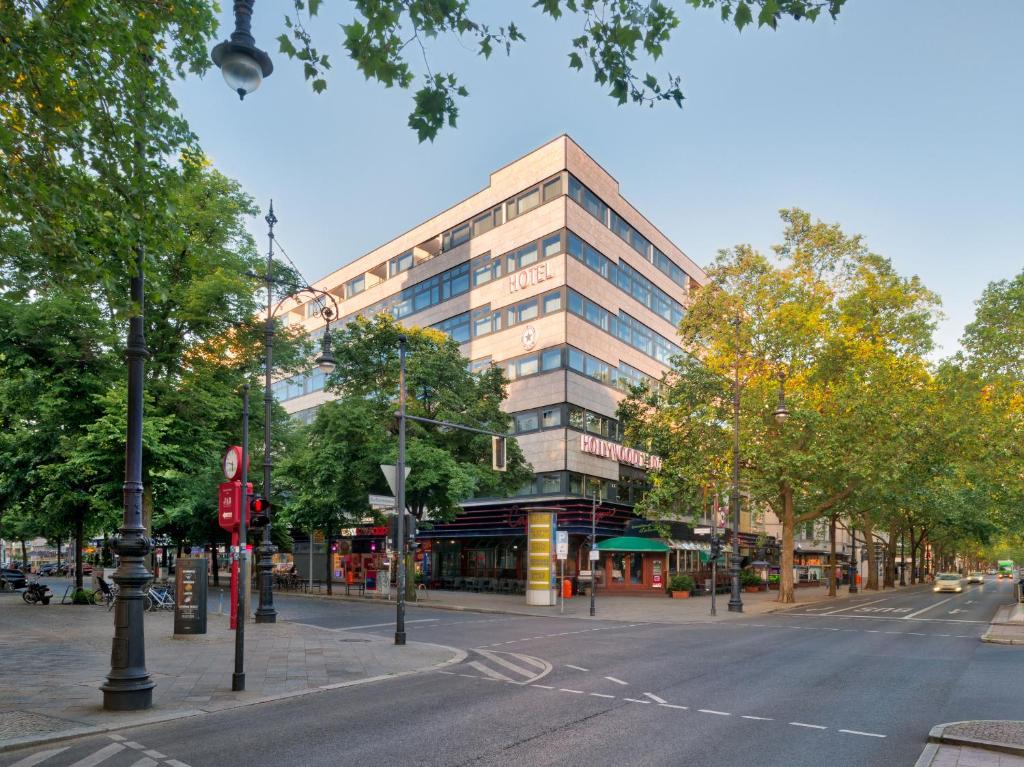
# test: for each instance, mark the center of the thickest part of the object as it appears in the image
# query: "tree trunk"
(58, 556)
(24, 556)
(869, 544)
(786, 556)
(327, 560)
(832, 564)
(890, 562)
(903, 557)
(79, 532)
(913, 558)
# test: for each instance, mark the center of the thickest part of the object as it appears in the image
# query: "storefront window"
(618, 568)
(636, 570)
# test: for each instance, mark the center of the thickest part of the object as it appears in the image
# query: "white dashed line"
(655, 698)
(99, 756)
(574, 692)
(758, 718)
(117, 737)
(866, 734)
(673, 705)
(811, 726)
(543, 686)
(617, 681)
(712, 711)
(578, 668)
(601, 695)
(42, 756)
(635, 700)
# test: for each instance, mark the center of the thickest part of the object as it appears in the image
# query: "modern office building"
(551, 274)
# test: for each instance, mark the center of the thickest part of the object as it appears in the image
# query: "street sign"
(595, 555)
(562, 544)
(391, 473)
(382, 502)
(702, 531)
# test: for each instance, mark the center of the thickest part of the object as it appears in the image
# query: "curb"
(458, 656)
(928, 755)
(938, 735)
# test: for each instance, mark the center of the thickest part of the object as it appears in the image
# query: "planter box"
(773, 587)
(680, 594)
(751, 589)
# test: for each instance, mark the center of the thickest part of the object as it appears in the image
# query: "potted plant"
(680, 586)
(751, 581)
(773, 582)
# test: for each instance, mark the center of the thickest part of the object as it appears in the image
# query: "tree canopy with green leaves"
(385, 39)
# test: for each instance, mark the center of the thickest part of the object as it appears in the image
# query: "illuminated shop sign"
(606, 449)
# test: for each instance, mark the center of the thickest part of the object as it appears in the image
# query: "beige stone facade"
(572, 331)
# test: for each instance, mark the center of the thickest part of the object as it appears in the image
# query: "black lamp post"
(265, 612)
(853, 560)
(781, 412)
(735, 601)
(243, 64)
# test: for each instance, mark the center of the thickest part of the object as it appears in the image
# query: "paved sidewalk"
(983, 743)
(1007, 626)
(658, 609)
(55, 657)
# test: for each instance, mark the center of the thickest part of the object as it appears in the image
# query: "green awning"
(629, 543)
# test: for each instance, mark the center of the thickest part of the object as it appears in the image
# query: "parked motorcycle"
(37, 592)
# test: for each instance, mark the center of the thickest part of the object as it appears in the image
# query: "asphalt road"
(860, 683)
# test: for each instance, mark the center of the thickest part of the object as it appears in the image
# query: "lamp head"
(326, 361)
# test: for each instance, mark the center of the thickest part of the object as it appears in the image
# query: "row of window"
(516, 206)
(298, 385)
(567, 357)
(486, 268)
(564, 414)
(571, 483)
(627, 329)
(591, 203)
(483, 320)
(627, 279)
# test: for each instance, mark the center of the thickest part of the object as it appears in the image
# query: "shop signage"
(620, 453)
(562, 544)
(531, 275)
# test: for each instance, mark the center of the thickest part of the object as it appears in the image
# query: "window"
(485, 270)
(550, 483)
(576, 417)
(478, 366)
(551, 359)
(552, 188)
(589, 201)
(527, 422)
(315, 306)
(457, 236)
(457, 327)
(356, 286)
(552, 245)
(400, 264)
(528, 366)
(553, 302)
(522, 257)
(484, 223)
(551, 417)
(485, 321)
(528, 201)
(527, 311)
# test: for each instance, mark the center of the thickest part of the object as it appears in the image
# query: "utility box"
(190, 596)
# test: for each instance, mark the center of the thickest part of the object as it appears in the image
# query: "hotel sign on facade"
(605, 449)
(532, 275)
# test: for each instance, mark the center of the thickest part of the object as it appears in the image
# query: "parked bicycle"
(158, 598)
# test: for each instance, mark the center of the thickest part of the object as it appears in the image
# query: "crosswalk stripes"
(98, 753)
(509, 666)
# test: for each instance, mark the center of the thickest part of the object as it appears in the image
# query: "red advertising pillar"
(229, 517)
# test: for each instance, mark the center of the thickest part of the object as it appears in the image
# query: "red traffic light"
(259, 511)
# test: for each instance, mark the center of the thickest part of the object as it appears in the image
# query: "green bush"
(83, 597)
(681, 583)
(750, 578)
(773, 578)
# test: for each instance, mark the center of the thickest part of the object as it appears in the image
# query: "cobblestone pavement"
(55, 657)
(993, 731)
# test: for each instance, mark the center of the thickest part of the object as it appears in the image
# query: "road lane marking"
(856, 607)
(635, 700)
(133, 744)
(543, 686)
(379, 625)
(655, 698)
(712, 711)
(99, 756)
(601, 695)
(34, 759)
(154, 753)
(574, 692)
(145, 762)
(489, 671)
(866, 734)
(758, 718)
(176, 763)
(578, 668)
(926, 609)
(673, 705)
(617, 681)
(811, 726)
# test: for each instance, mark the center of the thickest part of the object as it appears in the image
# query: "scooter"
(37, 592)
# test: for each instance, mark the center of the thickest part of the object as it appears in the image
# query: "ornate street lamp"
(243, 64)
(781, 412)
(325, 361)
(735, 600)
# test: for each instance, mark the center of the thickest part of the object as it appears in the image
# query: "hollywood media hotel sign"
(605, 449)
(532, 275)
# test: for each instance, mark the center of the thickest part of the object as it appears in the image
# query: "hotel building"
(551, 274)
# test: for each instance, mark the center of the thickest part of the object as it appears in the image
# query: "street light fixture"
(326, 361)
(243, 64)
(735, 600)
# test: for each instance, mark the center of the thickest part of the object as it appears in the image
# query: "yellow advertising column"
(540, 560)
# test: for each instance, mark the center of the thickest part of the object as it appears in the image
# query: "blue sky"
(902, 121)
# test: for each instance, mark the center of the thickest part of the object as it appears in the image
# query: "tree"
(384, 38)
(337, 461)
(834, 325)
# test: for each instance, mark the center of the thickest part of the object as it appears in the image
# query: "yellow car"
(948, 582)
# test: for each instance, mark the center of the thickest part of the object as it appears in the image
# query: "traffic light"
(259, 512)
(716, 549)
(498, 453)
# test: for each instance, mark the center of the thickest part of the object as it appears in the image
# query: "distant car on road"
(990, 571)
(976, 577)
(49, 570)
(948, 582)
(12, 579)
